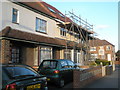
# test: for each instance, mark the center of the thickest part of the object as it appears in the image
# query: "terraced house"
(33, 31)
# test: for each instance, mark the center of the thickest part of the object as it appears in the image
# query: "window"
(101, 52)
(67, 54)
(94, 56)
(102, 56)
(77, 35)
(19, 71)
(101, 47)
(15, 55)
(93, 49)
(4, 77)
(51, 10)
(71, 32)
(71, 64)
(61, 15)
(45, 53)
(62, 32)
(49, 64)
(41, 25)
(108, 48)
(15, 16)
(64, 64)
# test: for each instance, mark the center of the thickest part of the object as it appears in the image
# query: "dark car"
(58, 71)
(22, 77)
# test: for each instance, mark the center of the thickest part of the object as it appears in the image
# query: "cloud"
(102, 26)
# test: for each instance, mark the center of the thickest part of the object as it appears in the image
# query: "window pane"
(64, 64)
(15, 55)
(17, 71)
(45, 53)
(67, 54)
(49, 64)
(71, 64)
(62, 31)
(15, 16)
(37, 27)
(40, 25)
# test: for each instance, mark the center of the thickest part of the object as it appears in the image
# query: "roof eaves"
(33, 9)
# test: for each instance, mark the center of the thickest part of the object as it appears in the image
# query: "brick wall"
(117, 62)
(84, 77)
(5, 51)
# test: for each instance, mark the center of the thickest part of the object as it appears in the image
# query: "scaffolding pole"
(82, 27)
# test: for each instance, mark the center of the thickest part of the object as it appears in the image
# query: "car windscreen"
(20, 71)
(49, 64)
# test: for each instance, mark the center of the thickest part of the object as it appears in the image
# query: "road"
(67, 86)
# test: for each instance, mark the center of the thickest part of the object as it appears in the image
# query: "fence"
(84, 77)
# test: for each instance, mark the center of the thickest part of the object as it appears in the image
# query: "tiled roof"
(57, 14)
(99, 42)
(20, 35)
(17, 34)
(118, 53)
(45, 8)
(38, 6)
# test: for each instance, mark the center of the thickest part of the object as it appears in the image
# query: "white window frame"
(108, 48)
(63, 32)
(92, 48)
(46, 50)
(101, 52)
(39, 25)
(94, 56)
(17, 16)
(51, 10)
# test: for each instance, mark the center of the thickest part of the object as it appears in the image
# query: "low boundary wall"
(84, 77)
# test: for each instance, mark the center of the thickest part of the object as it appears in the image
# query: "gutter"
(34, 10)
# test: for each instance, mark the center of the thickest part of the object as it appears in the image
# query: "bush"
(104, 62)
(93, 64)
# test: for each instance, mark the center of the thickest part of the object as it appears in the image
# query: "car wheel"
(61, 83)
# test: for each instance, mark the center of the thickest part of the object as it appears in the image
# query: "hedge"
(104, 62)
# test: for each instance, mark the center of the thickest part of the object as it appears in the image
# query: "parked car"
(22, 77)
(58, 71)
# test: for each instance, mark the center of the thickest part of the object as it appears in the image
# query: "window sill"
(15, 23)
(63, 36)
(41, 32)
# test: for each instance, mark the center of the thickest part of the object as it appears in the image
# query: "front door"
(109, 57)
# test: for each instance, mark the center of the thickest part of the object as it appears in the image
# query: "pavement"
(109, 81)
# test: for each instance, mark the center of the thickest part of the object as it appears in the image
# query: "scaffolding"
(82, 29)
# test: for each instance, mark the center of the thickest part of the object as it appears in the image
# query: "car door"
(63, 70)
(71, 67)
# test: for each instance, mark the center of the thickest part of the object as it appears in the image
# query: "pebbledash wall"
(27, 19)
(18, 44)
(27, 23)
